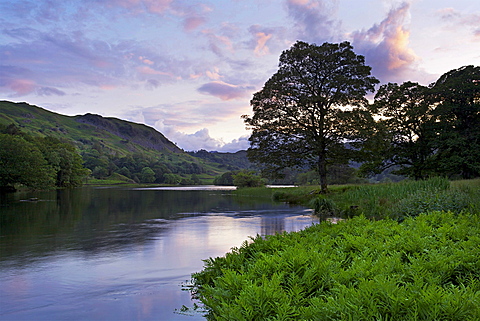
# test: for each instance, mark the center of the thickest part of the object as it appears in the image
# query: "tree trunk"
(322, 172)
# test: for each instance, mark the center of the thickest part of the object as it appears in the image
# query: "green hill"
(117, 135)
(111, 147)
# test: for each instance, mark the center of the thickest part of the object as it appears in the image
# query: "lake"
(122, 254)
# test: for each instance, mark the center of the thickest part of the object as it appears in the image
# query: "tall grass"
(378, 201)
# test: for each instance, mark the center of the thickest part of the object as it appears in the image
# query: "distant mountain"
(113, 146)
(229, 161)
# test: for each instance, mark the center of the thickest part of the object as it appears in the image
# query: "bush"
(226, 179)
(324, 206)
(247, 179)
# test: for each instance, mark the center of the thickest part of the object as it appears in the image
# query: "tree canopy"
(38, 162)
(403, 130)
(309, 108)
(21, 162)
(457, 99)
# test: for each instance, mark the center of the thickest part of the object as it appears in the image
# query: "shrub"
(324, 206)
(247, 179)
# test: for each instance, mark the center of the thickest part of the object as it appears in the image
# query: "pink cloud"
(193, 22)
(385, 46)
(140, 6)
(225, 91)
(150, 71)
(261, 48)
(266, 40)
(217, 43)
(461, 20)
(22, 86)
(213, 74)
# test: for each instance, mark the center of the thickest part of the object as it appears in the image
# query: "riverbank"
(378, 201)
(405, 251)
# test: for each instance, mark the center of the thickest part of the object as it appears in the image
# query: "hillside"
(111, 147)
(118, 135)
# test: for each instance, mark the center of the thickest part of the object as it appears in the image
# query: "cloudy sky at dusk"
(189, 67)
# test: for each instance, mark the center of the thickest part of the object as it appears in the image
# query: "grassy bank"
(407, 251)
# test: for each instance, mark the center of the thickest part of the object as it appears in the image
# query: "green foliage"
(324, 206)
(225, 179)
(393, 200)
(38, 163)
(404, 129)
(298, 117)
(263, 192)
(424, 201)
(425, 268)
(428, 131)
(247, 179)
(21, 162)
(336, 174)
(172, 179)
(65, 160)
(296, 195)
(458, 118)
(147, 175)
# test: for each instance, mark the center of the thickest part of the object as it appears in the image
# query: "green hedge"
(425, 268)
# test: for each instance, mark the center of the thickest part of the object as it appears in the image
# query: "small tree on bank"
(247, 179)
(299, 117)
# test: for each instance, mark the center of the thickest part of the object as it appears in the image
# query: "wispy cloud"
(314, 20)
(140, 6)
(60, 61)
(185, 115)
(193, 22)
(225, 91)
(462, 20)
(218, 44)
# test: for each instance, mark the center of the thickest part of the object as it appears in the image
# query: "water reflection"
(120, 254)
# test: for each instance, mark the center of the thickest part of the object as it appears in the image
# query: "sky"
(189, 68)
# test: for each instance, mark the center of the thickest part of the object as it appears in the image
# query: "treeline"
(428, 131)
(48, 162)
(38, 162)
(142, 168)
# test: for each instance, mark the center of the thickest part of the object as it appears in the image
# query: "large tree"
(304, 114)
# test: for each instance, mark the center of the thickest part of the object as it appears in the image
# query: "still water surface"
(121, 254)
